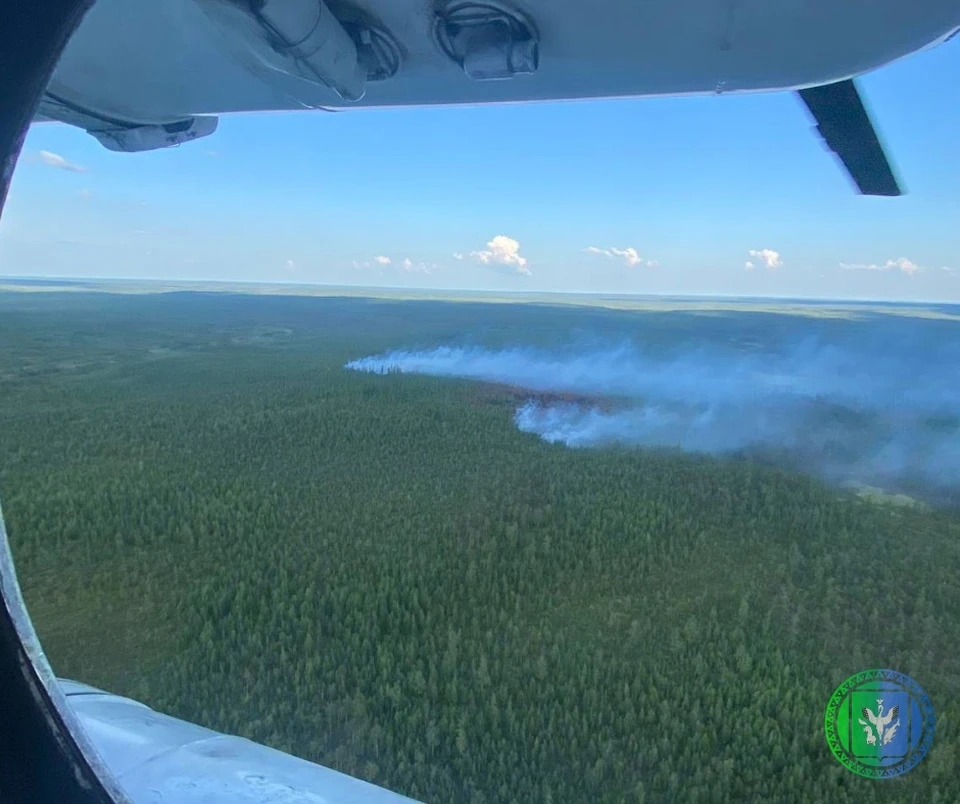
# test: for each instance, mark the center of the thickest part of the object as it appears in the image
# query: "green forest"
(383, 575)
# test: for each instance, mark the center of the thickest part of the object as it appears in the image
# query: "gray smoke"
(878, 410)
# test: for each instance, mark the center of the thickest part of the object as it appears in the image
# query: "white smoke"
(858, 411)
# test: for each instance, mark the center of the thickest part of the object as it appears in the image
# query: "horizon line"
(504, 291)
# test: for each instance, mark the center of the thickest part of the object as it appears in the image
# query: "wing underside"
(139, 74)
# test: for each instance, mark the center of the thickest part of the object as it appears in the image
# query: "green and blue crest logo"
(879, 723)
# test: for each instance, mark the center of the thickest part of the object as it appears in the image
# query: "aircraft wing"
(141, 74)
(155, 757)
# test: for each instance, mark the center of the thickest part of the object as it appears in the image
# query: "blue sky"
(664, 195)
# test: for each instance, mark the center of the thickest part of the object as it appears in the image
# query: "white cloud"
(629, 255)
(405, 265)
(57, 161)
(749, 265)
(457, 256)
(503, 250)
(900, 264)
(905, 265)
(410, 267)
(767, 256)
(290, 266)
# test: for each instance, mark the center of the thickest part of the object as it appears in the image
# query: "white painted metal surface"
(149, 61)
(158, 759)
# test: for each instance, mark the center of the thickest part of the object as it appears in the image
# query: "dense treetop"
(381, 574)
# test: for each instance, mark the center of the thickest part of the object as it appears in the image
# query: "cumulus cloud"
(290, 265)
(406, 265)
(900, 264)
(55, 160)
(628, 255)
(411, 267)
(457, 255)
(767, 256)
(503, 250)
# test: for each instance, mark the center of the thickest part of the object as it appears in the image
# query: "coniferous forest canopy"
(383, 574)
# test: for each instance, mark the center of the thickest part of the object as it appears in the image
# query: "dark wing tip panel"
(846, 128)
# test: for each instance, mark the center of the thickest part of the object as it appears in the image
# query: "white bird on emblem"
(880, 721)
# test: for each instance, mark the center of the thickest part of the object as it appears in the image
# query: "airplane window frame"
(45, 756)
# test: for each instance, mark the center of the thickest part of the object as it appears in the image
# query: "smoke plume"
(880, 408)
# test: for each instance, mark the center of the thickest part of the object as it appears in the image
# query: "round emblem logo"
(879, 723)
